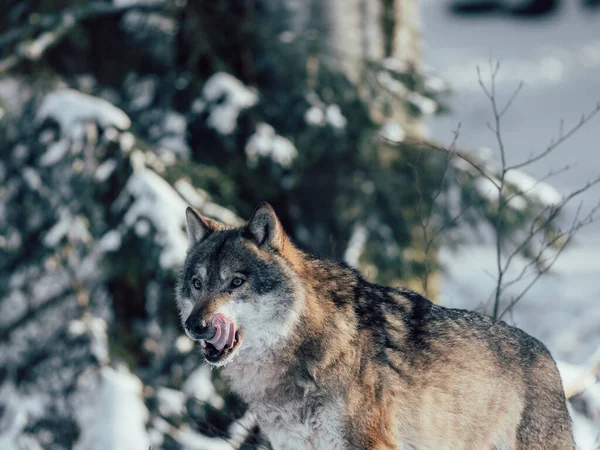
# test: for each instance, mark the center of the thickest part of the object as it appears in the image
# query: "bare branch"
(511, 99)
(585, 118)
(570, 234)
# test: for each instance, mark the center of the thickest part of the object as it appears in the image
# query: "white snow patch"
(183, 344)
(314, 116)
(192, 195)
(127, 141)
(335, 118)
(156, 201)
(69, 108)
(233, 97)
(190, 439)
(585, 430)
(240, 429)
(175, 144)
(392, 84)
(19, 410)
(436, 84)
(397, 65)
(174, 127)
(32, 178)
(266, 143)
(487, 188)
(460, 164)
(424, 104)
(59, 229)
(199, 386)
(174, 122)
(142, 228)
(56, 152)
(170, 401)
(113, 414)
(50, 285)
(105, 170)
(536, 190)
(12, 307)
(287, 37)
(356, 245)
(110, 242)
(392, 131)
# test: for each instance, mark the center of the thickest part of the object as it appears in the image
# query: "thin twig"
(585, 118)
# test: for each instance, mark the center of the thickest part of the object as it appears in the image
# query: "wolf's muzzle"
(199, 329)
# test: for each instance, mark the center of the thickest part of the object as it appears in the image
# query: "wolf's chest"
(296, 426)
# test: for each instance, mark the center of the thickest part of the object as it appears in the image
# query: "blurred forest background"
(117, 114)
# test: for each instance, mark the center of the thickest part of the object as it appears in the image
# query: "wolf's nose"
(199, 329)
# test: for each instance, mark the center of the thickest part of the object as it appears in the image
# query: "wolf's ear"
(198, 227)
(264, 228)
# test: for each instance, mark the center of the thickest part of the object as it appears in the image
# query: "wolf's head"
(237, 291)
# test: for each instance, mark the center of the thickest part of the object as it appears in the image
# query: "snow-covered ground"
(559, 61)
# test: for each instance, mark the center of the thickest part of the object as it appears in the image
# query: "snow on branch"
(55, 27)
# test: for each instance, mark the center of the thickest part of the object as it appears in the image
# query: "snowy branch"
(55, 27)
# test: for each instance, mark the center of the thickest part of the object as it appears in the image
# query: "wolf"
(327, 360)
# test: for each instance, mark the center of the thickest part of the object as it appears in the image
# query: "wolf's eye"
(196, 283)
(237, 282)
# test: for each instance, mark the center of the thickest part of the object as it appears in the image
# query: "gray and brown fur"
(331, 361)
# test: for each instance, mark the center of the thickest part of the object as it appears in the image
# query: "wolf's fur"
(330, 361)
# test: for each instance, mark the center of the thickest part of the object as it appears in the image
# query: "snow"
(392, 131)
(105, 170)
(49, 286)
(174, 122)
(392, 84)
(192, 195)
(127, 141)
(183, 344)
(12, 308)
(155, 200)
(74, 228)
(190, 439)
(424, 104)
(69, 108)
(314, 116)
(537, 190)
(489, 190)
(434, 83)
(335, 118)
(17, 411)
(110, 242)
(32, 178)
(59, 229)
(240, 429)
(111, 413)
(55, 153)
(170, 401)
(356, 245)
(173, 128)
(176, 144)
(232, 97)
(266, 143)
(142, 90)
(199, 386)
(127, 3)
(397, 65)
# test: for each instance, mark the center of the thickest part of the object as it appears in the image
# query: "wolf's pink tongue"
(225, 328)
